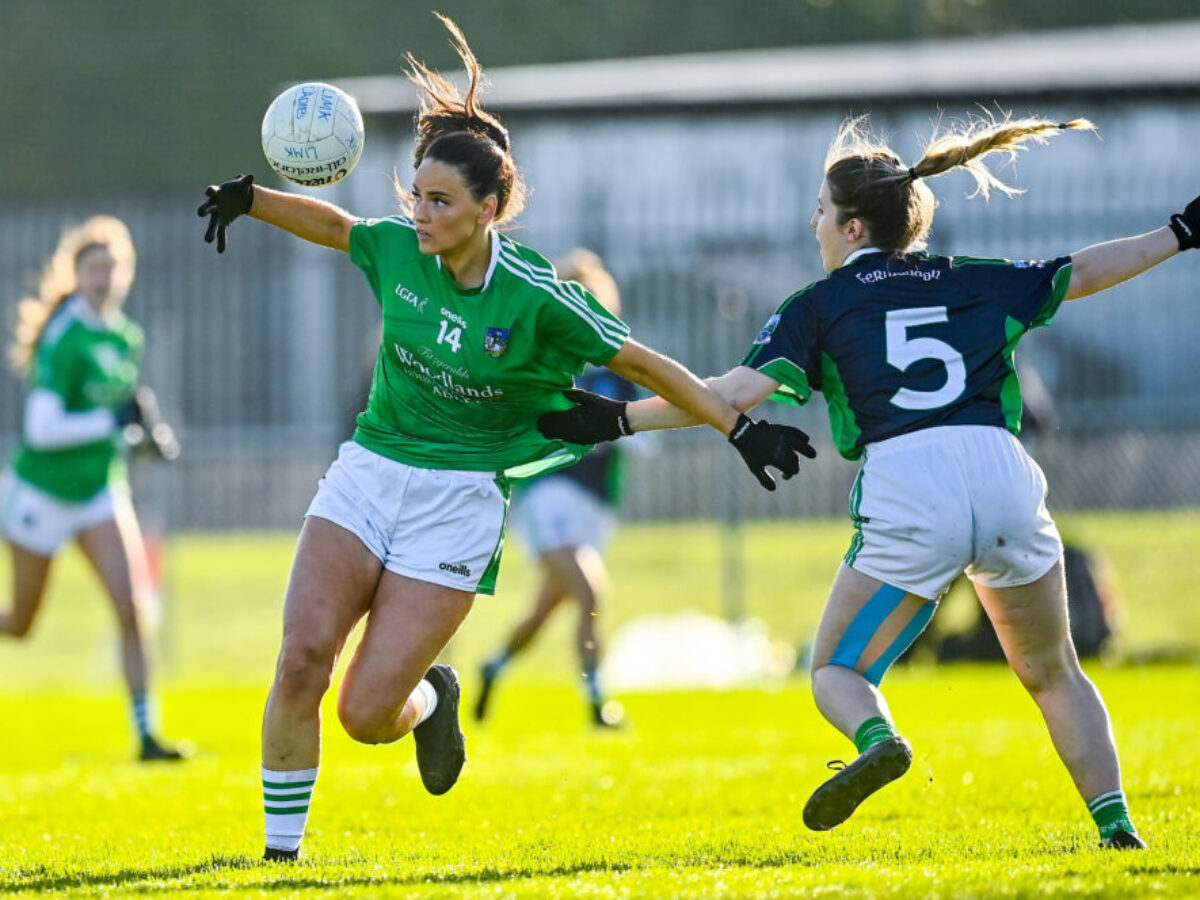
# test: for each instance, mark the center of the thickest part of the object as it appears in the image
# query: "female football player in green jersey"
(479, 338)
(81, 354)
(914, 354)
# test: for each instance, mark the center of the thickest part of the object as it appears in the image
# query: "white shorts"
(937, 502)
(437, 525)
(41, 523)
(554, 512)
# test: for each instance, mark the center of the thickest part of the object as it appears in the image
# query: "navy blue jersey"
(600, 471)
(901, 342)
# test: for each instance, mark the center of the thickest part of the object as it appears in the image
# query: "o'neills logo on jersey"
(883, 275)
(443, 382)
(456, 568)
(417, 303)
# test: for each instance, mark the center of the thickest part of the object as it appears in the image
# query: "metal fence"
(260, 356)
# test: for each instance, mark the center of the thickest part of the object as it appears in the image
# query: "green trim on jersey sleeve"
(959, 261)
(1011, 404)
(793, 387)
(841, 416)
(1061, 282)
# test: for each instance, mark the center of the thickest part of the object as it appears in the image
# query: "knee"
(1049, 673)
(303, 673)
(365, 722)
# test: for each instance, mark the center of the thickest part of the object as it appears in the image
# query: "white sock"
(286, 797)
(425, 694)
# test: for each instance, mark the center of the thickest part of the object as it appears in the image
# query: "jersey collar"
(861, 251)
(491, 269)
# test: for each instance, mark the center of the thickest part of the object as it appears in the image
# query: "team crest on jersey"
(764, 336)
(495, 342)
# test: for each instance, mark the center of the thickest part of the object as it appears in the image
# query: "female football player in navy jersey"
(914, 354)
(479, 338)
(565, 519)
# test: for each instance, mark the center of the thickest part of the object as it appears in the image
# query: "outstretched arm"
(686, 400)
(742, 388)
(1101, 266)
(306, 217)
(676, 385)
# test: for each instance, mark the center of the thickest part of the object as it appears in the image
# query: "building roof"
(1124, 59)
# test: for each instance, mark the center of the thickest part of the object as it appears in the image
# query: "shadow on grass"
(275, 876)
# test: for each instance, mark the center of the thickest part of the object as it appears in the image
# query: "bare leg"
(334, 577)
(866, 625)
(580, 573)
(410, 622)
(842, 693)
(1031, 623)
(550, 594)
(31, 571)
(115, 550)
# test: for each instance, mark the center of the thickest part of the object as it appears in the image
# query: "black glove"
(592, 420)
(140, 409)
(765, 444)
(1186, 226)
(142, 427)
(225, 203)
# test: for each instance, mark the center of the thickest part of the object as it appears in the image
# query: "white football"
(312, 134)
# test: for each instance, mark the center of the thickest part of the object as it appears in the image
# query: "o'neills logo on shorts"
(456, 568)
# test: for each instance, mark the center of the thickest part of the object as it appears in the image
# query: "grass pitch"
(700, 797)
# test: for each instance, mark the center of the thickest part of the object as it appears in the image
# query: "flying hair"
(58, 282)
(453, 127)
(868, 180)
(443, 108)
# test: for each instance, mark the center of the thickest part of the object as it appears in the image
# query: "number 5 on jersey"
(903, 351)
(451, 336)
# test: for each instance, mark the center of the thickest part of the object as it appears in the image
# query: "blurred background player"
(565, 520)
(80, 355)
(914, 353)
(479, 338)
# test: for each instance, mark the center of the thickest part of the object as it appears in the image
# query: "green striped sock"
(1111, 814)
(286, 796)
(872, 731)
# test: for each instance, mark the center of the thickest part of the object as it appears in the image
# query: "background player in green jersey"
(914, 354)
(479, 338)
(81, 354)
(565, 519)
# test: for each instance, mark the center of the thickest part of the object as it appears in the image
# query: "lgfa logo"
(417, 303)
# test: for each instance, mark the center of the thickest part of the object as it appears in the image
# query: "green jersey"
(91, 363)
(462, 375)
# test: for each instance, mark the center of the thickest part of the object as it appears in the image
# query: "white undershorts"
(437, 525)
(554, 512)
(41, 523)
(937, 502)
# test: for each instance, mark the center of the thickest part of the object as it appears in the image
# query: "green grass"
(699, 798)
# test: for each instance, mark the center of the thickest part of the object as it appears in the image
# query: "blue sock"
(492, 667)
(141, 708)
(592, 684)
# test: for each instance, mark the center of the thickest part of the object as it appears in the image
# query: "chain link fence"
(260, 356)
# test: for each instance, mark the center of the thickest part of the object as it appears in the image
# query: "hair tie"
(912, 173)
